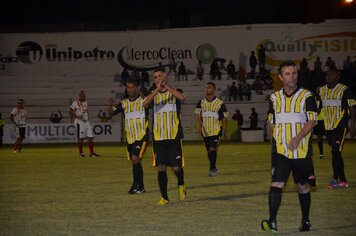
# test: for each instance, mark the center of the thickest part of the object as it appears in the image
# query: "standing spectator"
(182, 72)
(262, 56)
(172, 64)
(215, 70)
(79, 110)
(240, 120)
(318, 65)
(103, 117)
(125, 75)
(200, 71)
(145, 78)
(253, 63)
(339, 106)
(231, 73)
(291, 144)
(233, 91)
(2, 124)
(253, 118)
(211, 118)
(55, 118)
(167, 133)
(136, 128)
(18, 118)
(330, 64)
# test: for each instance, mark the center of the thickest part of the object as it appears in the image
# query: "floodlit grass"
(49, 190)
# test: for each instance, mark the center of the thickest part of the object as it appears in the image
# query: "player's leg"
(336, 151)
(137, 150)
(176, 161)
(90, 134)
(160, 152)
(213, 148)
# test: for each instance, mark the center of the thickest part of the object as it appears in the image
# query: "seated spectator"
(257, 85)
(200, 71)
(241, 73)
(233, 91)
(182, 71)
(240, 120)
(145, 77)
(103, 117)
(244, 90)
(55, 118)
(231, 73)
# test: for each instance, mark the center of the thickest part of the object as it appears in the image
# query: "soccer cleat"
(333, 184)
(321, 157)
(343, 184)
(269, 225)
(134, 188)
(162, 202)
(140, 190)
(305, 226)
(213, 172)
(94, 155)
(181, 192)
(81, 155)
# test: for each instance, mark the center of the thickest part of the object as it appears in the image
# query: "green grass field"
(49, 190)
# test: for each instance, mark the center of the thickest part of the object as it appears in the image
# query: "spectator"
(240, 120)
(231, 73)
(182, 71)
(253, 118)
(330, 64)
(258, 85)
(200, 71)
(125, 75)
(153, 87)
(317, 65)
(244, 90)
(172, 65)
(18, 118)
(262, 56)
(143, 91)
(241, 73)
(55, 118)
(253, 63)
(145, 78)
(215, 70)
(233, 91)
(103, 117)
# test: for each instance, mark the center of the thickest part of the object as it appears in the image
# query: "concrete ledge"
(252, 135)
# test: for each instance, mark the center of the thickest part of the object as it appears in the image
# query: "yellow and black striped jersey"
(212, 113)
(166, 117)
(136, 119)
(289, 114)
(336, 102)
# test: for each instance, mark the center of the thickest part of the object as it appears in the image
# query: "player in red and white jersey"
(18, 118)
(79, 110)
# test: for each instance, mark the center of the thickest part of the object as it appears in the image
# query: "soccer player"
(18, 118)
(291, 118)
(167, 133)
(79, 110)
(211, 119)
(136, 127)
(339, 106)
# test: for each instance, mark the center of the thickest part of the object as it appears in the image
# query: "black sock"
(212, 158)
(305, 201)
(339, 165)
(274, 200)
(180, 177)
(135, 172)
(162, 182)
(139, 175)
(321, 149)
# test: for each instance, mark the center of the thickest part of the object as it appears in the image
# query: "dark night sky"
(87, 15)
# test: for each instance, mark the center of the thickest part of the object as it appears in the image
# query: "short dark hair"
(212, 84)
(158, 69)
(284, 64)
(132, 81)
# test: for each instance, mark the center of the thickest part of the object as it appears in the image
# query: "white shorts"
(83, 129)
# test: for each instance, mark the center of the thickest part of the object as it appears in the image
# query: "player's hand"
(294, 142)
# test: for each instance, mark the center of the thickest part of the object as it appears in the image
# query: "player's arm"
(223, 115)
(312, 121)
(270, 117)
(112, 109)
(180, 96)
(12, 119)
(72, 113)
(351, 104)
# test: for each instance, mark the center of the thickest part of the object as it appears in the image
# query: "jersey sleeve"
(197, 109)
(117, 109)
(13, 112)
(270, 114)
(348, 100)
(311, 108)
(223, 113)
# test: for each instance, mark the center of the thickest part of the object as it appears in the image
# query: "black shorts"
(302, 169)
(20, 132)
(168, 152)
(137, 148)
(212, 142)
(319, 129)
(336, 137)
